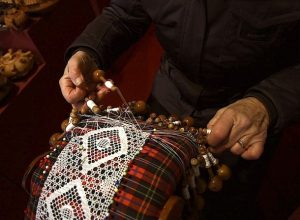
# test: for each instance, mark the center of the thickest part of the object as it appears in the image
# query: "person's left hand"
(241, 127)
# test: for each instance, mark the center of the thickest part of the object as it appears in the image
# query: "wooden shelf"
(20, 40)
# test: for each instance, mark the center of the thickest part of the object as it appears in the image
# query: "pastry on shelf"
(38, 6)
(17, 14)
(16, 19)
(16, 64)
(9, 2)
(3, 6)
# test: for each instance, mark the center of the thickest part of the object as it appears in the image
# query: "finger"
(221, 129)
(254, 151)
(215, 118)
(217, 150)
(78, 105)
(74, 72)
(91, 95)
(240, 147)
(70, 92)
(101, 93)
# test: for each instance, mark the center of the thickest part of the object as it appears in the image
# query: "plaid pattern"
(152, 177)
(38, 178)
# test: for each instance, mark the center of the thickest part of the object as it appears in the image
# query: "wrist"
(262, 107)
(271, 108)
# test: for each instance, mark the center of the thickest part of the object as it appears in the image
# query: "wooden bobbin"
(98, 76)
(64, 124)
(55, 138)
(140, 107)
(172, 209)
(215, 182)
(224, 172)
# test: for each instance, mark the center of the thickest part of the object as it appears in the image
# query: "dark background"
(33, 114)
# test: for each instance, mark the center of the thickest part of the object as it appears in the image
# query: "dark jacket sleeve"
(281, 95)
(120, 24)
(280, 92)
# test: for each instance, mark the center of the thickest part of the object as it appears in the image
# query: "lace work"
(82, 182)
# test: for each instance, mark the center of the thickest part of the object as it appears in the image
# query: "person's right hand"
(76, 83)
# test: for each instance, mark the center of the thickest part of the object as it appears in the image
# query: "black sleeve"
(120, 24)
(280, 93)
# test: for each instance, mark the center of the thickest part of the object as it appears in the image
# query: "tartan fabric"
(38, 178)
(152, 177)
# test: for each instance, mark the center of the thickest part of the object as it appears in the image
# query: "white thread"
(109, 110)
(87, 170)
(91, 166)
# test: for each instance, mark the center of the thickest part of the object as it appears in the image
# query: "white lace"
(83, 180)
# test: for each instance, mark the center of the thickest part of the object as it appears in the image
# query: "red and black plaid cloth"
(152, 177)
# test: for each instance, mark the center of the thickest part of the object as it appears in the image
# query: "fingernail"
(78, 81)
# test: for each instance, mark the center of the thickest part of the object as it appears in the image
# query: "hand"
(76, 83)
(245, 121)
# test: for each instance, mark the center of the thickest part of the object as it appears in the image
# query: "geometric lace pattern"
(81, 184)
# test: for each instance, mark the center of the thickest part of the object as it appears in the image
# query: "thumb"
(79, 67)
(221, 126)
(75, 73)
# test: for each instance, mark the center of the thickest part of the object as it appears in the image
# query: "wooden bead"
(162, 117)
(201, 161)
(173, 118)
(140, 107)
(64, 124)
(215, 184)
(73, 115)
(193, 130)
(74, 110)
(84, 110)
(201, 140)
(202, 132)
(182, 129)
(171, 125)
(149, 121)
(54, 138)
(160, 124)
(75, 121)
(224, 172)
(194, 162)
(96, 110)
(98, 76)
(188, 121)
(157, 120)
(153, 115)
(202, 150)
